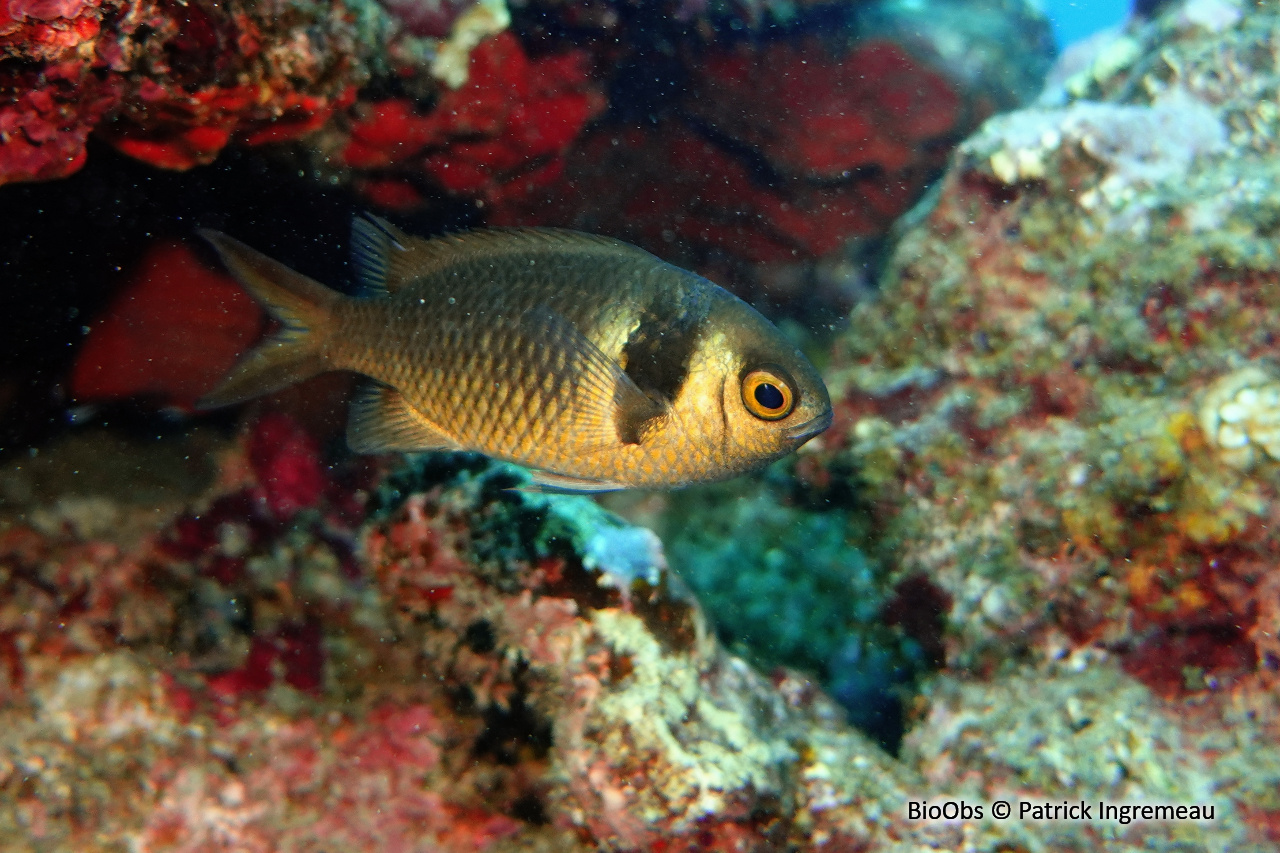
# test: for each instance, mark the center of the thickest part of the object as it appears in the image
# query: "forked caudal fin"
(302, 306)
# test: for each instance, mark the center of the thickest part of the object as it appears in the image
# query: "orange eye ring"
(767, 394)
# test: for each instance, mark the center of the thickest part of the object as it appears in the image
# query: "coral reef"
(1035, 556)
(166, 83)
(471, 669)
(758, 150)
(1061, 409)
(173, 85)
(1083, 734)
(785, 583)
(279, 653)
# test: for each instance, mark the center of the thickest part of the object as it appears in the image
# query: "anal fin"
(381, 420)
(562, 484)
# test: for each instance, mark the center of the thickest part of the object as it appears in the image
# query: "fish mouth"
(807, 430)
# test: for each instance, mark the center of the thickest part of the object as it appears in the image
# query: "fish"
(587, 360)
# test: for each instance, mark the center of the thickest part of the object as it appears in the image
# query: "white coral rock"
(1240, 415)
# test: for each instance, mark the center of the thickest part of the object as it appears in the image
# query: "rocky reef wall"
(1035, 556)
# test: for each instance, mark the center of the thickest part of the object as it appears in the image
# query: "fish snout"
(806, 430)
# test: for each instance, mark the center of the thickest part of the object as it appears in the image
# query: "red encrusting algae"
(501, 134)
(167, 83)
(171, 333)
(777, 154)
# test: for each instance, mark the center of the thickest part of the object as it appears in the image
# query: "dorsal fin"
(386, 258)
(370, 245)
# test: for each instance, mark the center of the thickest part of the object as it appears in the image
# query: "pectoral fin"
(382, 421)
(609, 408)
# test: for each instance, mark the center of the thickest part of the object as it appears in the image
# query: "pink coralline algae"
(43, 127)
(286, 464)
(47, 29)
(454, 688)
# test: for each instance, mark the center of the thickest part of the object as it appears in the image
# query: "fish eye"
(767, 395)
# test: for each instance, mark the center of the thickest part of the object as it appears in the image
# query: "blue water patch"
(1073, 20)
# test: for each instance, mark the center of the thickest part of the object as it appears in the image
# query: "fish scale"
(588, 360)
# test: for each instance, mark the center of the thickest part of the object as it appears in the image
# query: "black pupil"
(769, 396)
